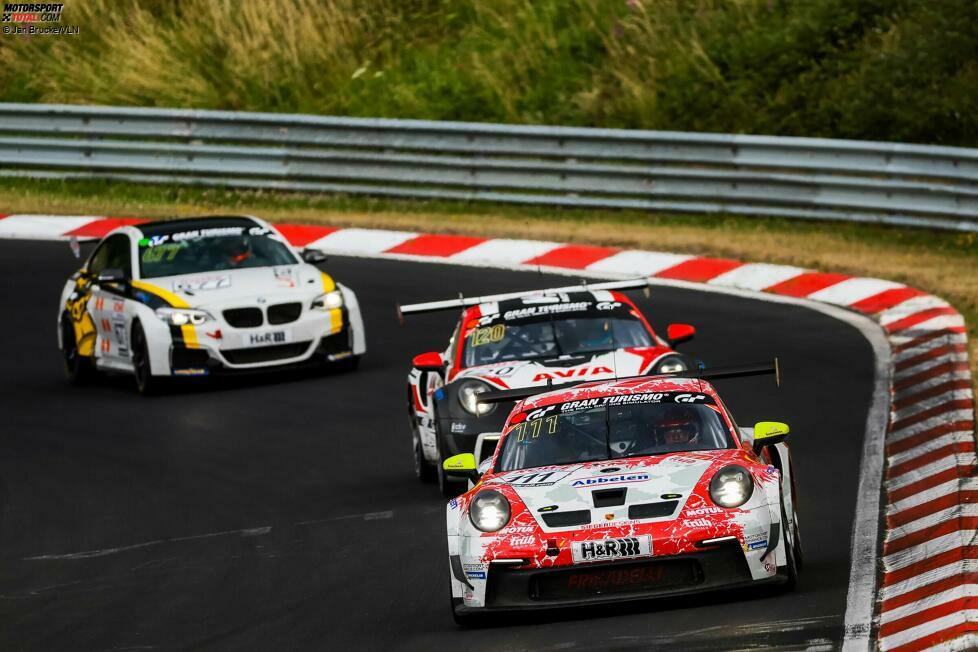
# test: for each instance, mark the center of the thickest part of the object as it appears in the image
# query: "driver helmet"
(678, 428)
(236, 249)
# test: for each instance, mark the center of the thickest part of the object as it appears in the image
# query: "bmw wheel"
(145, 382)
(78, 368)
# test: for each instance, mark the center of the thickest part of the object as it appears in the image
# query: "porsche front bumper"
(514, 589)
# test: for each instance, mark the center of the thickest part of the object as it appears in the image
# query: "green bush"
(870, 69)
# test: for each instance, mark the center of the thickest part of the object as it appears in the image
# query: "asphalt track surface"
(281, 512)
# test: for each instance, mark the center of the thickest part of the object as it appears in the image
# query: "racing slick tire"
(463, 620)
(78, 368)
(423, 470)
(789, 572)
(146, 383)
(343, 366)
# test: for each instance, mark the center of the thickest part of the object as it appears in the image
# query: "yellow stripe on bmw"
(188, 331)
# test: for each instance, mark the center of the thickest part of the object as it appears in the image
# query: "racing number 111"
(533, 428)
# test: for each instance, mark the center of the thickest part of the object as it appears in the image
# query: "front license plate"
(265, 338)
(609, 549)
(627, 577)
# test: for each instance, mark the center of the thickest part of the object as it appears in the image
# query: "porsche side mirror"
(768, 433)
(313, 256)
(678, 333)
(430, 361)
(461, 466)
(111, 275)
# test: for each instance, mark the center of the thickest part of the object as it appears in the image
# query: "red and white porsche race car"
(621, 490)
(524, 339)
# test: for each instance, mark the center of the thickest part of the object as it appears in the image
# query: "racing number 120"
(533, 428)
(488, 335)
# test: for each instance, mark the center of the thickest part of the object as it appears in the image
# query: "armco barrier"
(928, 564)
(809, 178)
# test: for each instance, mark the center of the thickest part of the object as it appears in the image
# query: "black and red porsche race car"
(524, 339)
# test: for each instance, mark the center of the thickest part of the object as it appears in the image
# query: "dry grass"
(943, 264)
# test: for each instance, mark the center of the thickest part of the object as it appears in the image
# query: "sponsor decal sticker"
(610, 479)
(458, 426)
(606, 549)
(542, 479)
(632, 399)
(267, 338)
(476, 575)
(557, 374)
(697, 522)
(202, 283)
(701, 511)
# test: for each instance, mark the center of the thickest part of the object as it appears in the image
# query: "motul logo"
(627, 547)
(572, 373)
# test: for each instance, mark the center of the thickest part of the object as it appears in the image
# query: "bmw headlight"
(183, 316)
(671, 364)
(489, 511)
(732, 486)
(328, 301)
(468, 396)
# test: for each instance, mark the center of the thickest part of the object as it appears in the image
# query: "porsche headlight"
(328, 301)
(489, 511)
(468, 396)
(671, 364)
(183, 316)
(732, 486)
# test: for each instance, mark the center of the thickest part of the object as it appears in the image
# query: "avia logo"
(572, 373)
(610, 479)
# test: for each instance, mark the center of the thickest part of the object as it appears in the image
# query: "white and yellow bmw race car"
(193, 297)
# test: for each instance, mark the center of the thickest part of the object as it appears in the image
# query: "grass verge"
(945, 264)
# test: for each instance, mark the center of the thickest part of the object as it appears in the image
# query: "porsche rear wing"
(737, 371)
(466, 302)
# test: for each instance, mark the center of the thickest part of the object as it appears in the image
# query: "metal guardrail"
(812, 178)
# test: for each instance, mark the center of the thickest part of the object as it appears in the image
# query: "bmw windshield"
(565, 329)
(614, 427)
(172, 252)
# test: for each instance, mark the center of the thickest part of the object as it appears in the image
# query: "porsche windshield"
(614, 427)
(192, 251)
(548, 336)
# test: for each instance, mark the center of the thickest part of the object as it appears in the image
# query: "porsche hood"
(666, 481)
